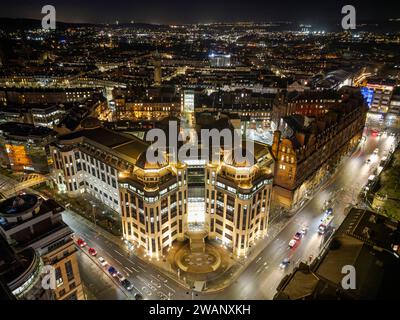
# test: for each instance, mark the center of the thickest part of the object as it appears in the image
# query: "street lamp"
(94, 213)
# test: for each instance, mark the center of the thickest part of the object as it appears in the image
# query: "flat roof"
(100, 135)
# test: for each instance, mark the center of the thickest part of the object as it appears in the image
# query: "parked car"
(127, 284)
(304, 230)
(292, 243)
(81, 243)
(120, 277)
(102, 261)
(138, 296)
(298, 236)
(92, 251)
(112, 271)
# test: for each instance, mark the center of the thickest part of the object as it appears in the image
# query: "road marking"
(129, 270)
(141, 268)
(135, 269)
(155, 278)
(118, 253)
(169, 288)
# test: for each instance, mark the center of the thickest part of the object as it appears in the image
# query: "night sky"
(180, 11)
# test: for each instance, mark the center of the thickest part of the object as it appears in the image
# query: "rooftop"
(24, 129)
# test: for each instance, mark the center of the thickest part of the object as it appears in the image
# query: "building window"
(59, 279)
(70, 272)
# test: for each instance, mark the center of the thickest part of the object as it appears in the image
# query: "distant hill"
(12, 24)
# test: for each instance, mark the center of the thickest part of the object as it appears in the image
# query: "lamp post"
(94, 213)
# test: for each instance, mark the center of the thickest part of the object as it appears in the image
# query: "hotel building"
(306, 148)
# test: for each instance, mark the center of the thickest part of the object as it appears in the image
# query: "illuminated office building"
(238, 197)
(219, 60)
(154, 205)
(112, 167)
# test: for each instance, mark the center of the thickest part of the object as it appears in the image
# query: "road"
(146, 279)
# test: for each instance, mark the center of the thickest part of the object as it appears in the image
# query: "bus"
(325, 223)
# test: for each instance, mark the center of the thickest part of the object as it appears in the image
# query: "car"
(92, 252)
(292, 243)
(376, 151)
(303, 230)
(284, 263)
(112, 271)
(81, 243)
(102, 261)
(138, 296)
(127, 284)
(298, 236)
(120, 277)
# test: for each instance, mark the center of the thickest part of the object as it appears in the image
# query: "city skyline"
(161, 12)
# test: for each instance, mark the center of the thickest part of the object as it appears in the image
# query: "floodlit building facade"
(306, 148)
(154, 205)
(238, 197)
